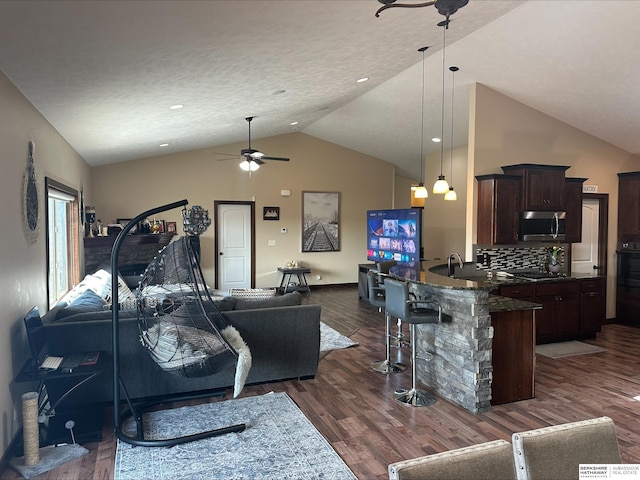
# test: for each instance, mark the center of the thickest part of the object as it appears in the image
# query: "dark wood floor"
(352, 406)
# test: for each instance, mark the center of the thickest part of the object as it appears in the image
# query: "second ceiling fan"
(252, 158)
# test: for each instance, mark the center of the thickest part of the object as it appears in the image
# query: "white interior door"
(233, 230)
(584, 255)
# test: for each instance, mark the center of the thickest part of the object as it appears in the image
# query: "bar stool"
(384, 267)
(377, 299)
(399, 305)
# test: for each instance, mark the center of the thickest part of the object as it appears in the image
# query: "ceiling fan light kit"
(252, 158)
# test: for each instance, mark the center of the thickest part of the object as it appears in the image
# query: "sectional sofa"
(283, 337)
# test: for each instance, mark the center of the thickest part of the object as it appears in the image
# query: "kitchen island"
(480, 329)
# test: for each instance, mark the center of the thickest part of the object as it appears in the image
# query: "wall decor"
(30, 200)
(172, 227)
(271, 213)
(320, 221)
(124, 222)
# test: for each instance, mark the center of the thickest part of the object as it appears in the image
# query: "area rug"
(331, 339)
(278, 443)
(567, 349)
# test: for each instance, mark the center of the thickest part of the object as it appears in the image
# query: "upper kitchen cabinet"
(573, 207)
(498, 209)
(629, 207)
(543, 185)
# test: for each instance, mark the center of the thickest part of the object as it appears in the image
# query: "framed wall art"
(271, 213)
(320, 221)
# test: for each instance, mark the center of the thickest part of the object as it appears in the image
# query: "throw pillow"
(88, 301)
(286, 300)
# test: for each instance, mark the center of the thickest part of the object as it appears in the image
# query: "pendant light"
(451, 194)
(441, 186)
(421, 191)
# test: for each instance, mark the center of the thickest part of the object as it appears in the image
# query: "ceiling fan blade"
(281, 159)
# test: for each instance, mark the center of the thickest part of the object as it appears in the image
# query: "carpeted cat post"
(38, 460)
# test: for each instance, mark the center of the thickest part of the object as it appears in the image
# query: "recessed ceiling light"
(363, 79)
(293, 123)
(436, 140)
(164, 144)
(177, 106)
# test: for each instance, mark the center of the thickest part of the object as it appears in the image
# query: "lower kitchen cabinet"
(571, 309)
(513, 355)
(592, 306)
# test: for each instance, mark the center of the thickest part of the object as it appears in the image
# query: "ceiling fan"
(252, 158)
(444, 7)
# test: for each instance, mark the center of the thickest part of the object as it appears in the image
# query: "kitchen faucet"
(450, 266)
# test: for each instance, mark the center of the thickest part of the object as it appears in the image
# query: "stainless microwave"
(542, 226)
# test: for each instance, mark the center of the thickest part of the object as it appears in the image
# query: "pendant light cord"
(444, 34)
(423, 49)
(453, 89)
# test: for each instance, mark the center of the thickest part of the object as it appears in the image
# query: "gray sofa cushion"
(286, 300)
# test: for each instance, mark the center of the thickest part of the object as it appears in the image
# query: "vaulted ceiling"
(105, 73)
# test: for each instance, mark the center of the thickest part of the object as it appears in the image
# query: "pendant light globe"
(421, 191)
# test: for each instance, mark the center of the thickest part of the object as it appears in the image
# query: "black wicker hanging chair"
(181, 327)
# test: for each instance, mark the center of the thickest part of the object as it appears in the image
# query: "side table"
(287, 286)
(55, 387)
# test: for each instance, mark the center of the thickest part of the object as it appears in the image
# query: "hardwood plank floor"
(352, 405)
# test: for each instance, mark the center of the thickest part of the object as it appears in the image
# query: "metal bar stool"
(377, 299)
(399, 305)
(384, 267)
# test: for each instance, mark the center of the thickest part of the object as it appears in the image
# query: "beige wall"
(127, 189)
(23, 264)
(506, 132)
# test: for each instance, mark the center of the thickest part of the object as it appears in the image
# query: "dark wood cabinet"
(543, 186)
(592, 306)
(526, 291)
(573, 207)
(137, 250)
(560, 316)
(571, 309)
(499, 198)
(513, 355)
(629, 207)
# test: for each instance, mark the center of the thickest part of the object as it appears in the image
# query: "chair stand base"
(416, 398)
(385, 366)
(400, 342)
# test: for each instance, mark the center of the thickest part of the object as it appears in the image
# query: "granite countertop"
(506, 304)
(474, 280)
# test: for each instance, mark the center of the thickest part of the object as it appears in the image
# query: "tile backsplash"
(516, 257)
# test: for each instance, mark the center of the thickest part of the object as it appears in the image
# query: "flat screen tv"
(394, 235)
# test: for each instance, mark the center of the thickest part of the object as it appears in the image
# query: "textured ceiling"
(105, 73)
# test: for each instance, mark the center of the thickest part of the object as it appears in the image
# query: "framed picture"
(171, 227)
(124, 221)
(271, 213)
(320, 221)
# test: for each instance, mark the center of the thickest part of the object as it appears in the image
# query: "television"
(394, 235)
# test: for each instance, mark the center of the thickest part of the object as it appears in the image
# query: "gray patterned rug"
(331, 339)
(278, 443)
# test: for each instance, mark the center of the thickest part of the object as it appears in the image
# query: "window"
(62, 239)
